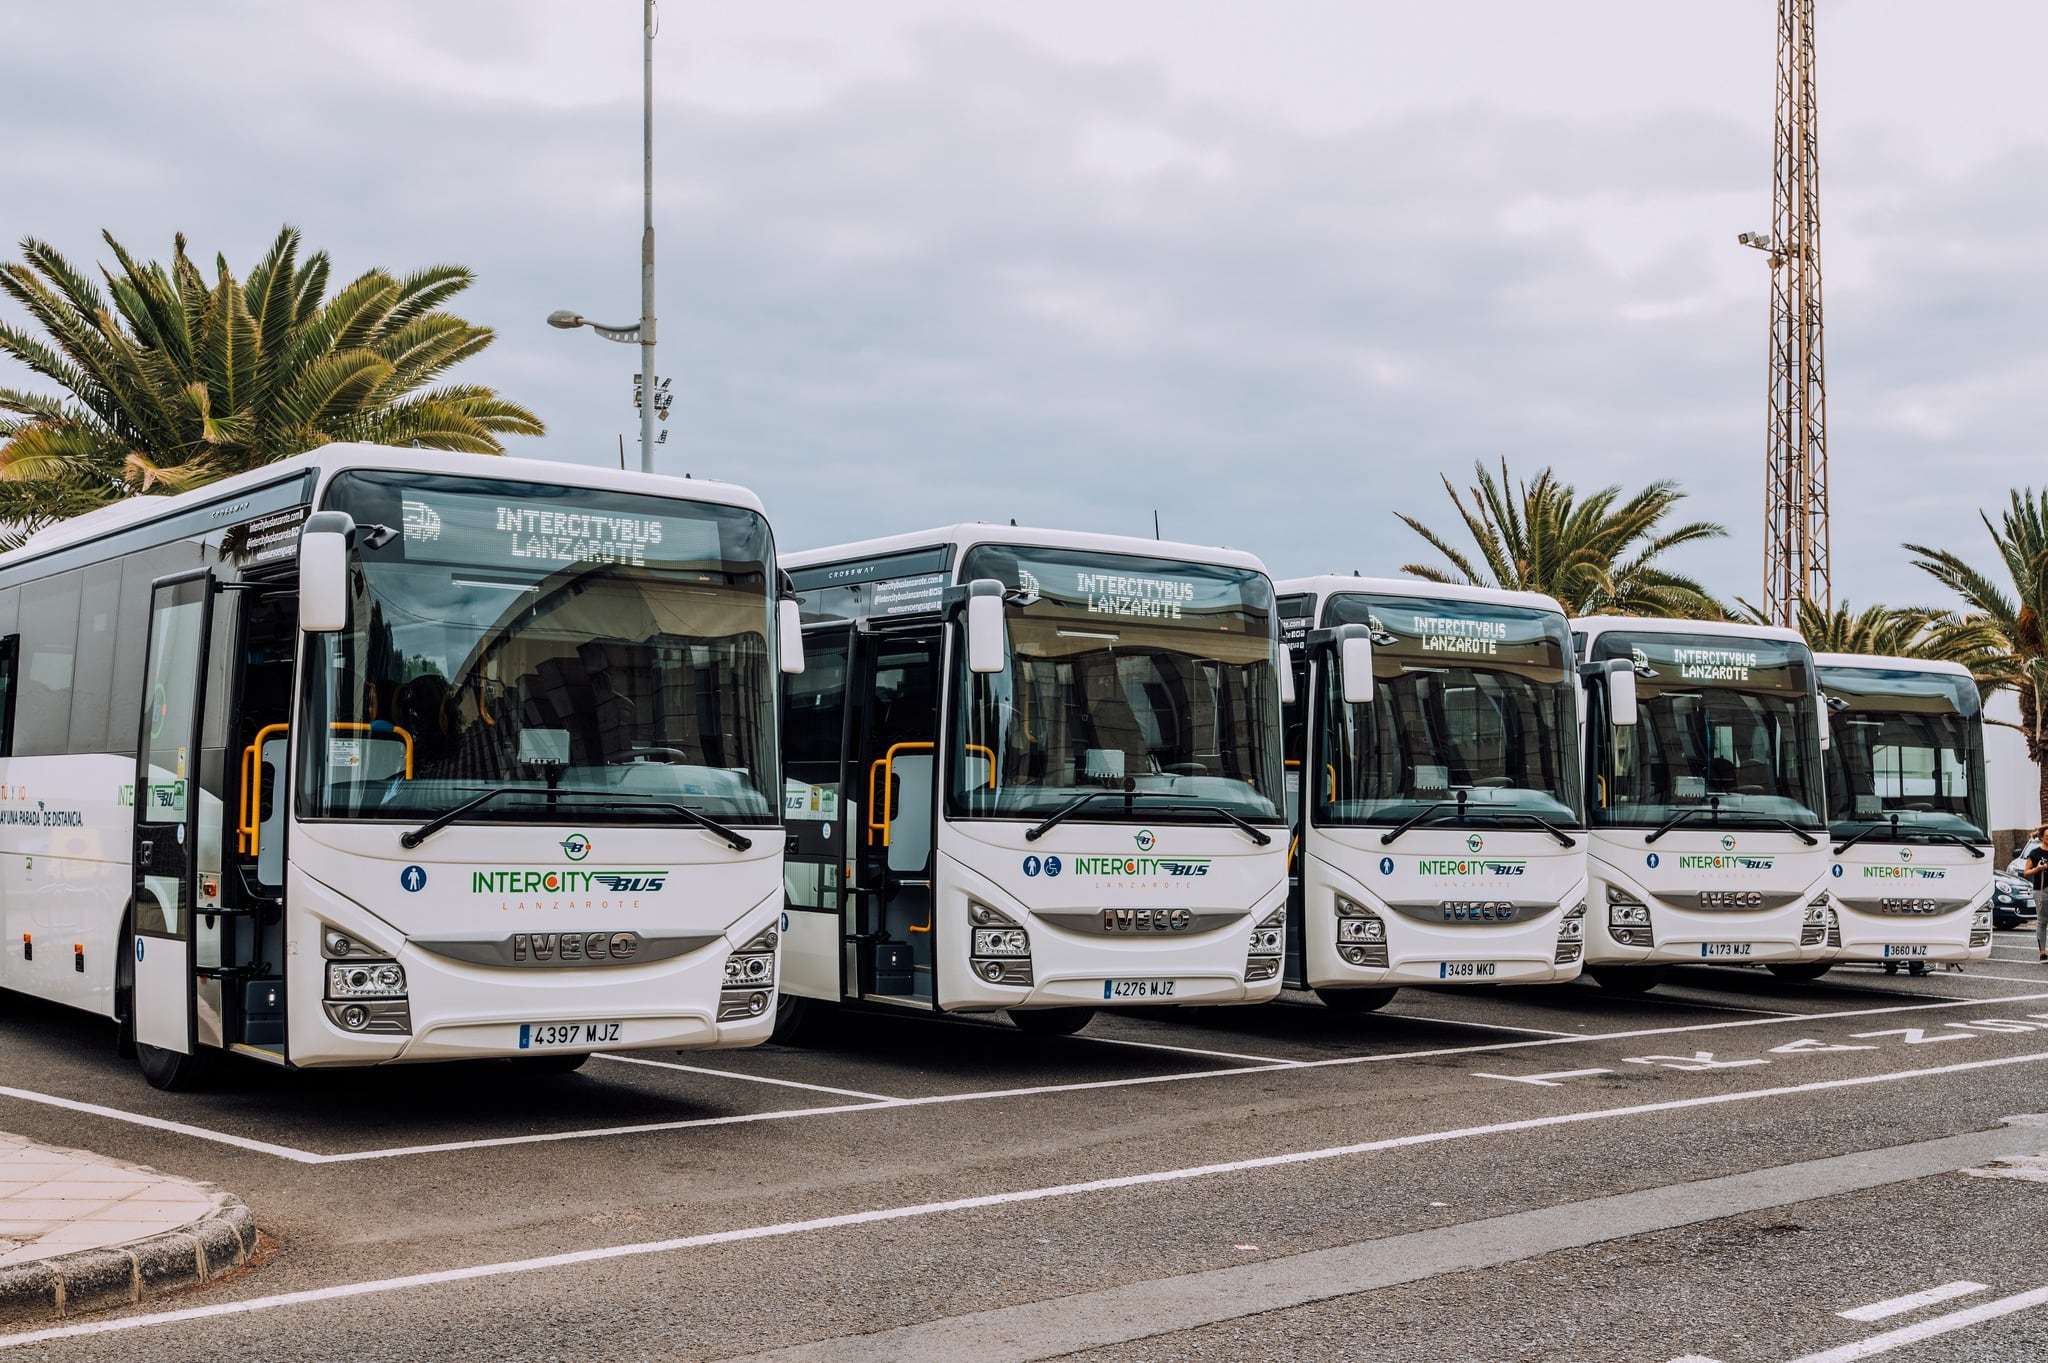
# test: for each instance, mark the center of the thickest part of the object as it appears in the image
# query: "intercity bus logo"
(1710, 862)
(1905, 854)
(1475, 843)
(1141, 866)
(1727, 842)
(575, 847)
(1145, 840)
(1905, 873)
(1438, 866)
(565, 882)
(1639, 663)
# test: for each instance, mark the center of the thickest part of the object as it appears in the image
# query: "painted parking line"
(1912, 1301)
(1187, 1050)
(845, 1220)
(932, 1100)
(1481, 1026)
(1918, 1332)
(735, 1074)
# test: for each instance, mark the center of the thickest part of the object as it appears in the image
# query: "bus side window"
(10, 649)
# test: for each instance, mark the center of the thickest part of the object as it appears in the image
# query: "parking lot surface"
(1732, 1168)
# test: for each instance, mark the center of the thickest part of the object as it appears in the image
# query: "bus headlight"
(1624, 910)
(1817, 911)
(1571, 935)
(365, 980)
(1361, 934)
(1270, 936)
(1001, 942)
(752, 966)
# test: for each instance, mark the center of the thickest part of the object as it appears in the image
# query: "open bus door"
(893, 768)
(168, 805)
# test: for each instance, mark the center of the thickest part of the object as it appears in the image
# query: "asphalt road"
(1718, 1170)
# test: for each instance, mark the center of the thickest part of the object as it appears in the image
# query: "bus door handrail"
(882, 813)
(249, 808)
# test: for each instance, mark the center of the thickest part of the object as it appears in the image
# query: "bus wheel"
(124, 999)
(1801, 971)
(798, 1021)
(1916, 967)
(1051, 1021)
(1627, 979)
(171, 1072)
(1356, 1000)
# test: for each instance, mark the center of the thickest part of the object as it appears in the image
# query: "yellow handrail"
(882, 814)
(249, 807)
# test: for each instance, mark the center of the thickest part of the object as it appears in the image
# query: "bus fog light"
(1355, 955)
(355, 1017)
(992, 971)
(365, 980)
(1001, 942)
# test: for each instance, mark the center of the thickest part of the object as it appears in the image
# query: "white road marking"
(1913, 1301)
(395, 1152)
(1979, 975)
(735, 1074)
(1188, 1050)
(1698, 1060)
(1482, 1026)
(877, 1216)
(1808, 1046)
(1923, 1330)
(1554, 1079)
(2025, 1168)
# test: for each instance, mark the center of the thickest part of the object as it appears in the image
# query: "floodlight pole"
(647, 242)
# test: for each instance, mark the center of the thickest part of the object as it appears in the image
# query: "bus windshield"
(1126, 673)
(1724, 726)
(1908, 746)
(1472, 703)
(593, 655)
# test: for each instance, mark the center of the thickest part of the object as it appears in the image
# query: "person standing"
(2034, 866)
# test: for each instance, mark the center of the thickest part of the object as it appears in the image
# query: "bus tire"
(551, 1064)
(172, 1072)
(1801, 971)
(798, 1020)
(1356, 1000)
(124, 997)
(1051, 1021)
(1628, 980)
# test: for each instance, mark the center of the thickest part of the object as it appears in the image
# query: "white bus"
(1907, 811)
(1433, 779)
(1034, 771)
(393, 755)
(1703, 749)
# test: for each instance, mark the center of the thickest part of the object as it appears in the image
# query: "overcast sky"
(1270, 269)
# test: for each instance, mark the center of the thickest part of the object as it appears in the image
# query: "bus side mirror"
(1621, 696)
(789, 636)
(988, 643)
(1286, 677)
(1820, 709)
(323, 571)
(1354, 648)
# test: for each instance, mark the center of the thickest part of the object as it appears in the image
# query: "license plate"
(1895, 950)
(1138, 989)
(542, 1036)
(1711, 950)
(1467, 970)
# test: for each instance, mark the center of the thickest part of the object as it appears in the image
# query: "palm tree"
(1599, 554)
(1903, 632)
(2020, 540)
(174, 382)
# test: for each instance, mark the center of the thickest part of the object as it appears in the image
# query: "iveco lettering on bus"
(394, 755)
(1033, 771)
(1907, 811)
(1434, 779)
(1703, 749)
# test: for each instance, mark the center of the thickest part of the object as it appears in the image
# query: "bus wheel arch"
(1354, 1001)
(1628, 980)
(1800, 971)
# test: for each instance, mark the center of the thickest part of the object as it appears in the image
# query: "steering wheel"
(638, 756)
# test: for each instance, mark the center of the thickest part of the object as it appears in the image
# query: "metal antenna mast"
(1796, 477)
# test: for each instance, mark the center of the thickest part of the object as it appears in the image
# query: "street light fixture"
(647, 392)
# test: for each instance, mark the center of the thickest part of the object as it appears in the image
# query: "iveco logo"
(1147, 920)
(1731, 899)
(1909, 905)
(569, 947)
(1478, 910)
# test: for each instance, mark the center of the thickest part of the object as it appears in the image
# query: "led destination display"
(481, 530)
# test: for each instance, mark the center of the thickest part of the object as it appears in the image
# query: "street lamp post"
(641, 334)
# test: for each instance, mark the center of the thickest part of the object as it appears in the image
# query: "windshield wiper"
(1054, 819)
(738, 841)
(1931, 834)
(1786, 824)
(1250, 829)
(1564, 839)
(1423, 815)
(1679, 816)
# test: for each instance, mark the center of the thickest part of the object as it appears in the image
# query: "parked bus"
(393, 755)
(1035, 771)
(1703, 748)
(1433, 787)
(1907, 809)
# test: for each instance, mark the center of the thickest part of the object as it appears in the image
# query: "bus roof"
(339, 457)
(968, 534)
(1931, 665)
(1330, 584)
(1716, 629)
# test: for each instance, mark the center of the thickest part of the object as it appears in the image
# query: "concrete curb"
(98, 1279)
